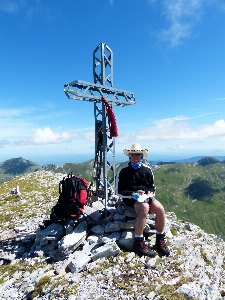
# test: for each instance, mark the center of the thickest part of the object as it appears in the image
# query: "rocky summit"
(92, 258)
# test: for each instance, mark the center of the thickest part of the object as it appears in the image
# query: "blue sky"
(169, 53)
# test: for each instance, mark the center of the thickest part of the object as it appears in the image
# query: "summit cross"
(102, 87)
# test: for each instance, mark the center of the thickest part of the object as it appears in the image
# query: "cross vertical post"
(103, 74)
(93, 92)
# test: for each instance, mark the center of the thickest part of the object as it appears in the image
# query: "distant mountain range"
(16, 166)
(187, 160)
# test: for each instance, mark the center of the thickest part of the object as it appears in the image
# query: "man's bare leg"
(140, 247)
(157, 209)
(142, 210)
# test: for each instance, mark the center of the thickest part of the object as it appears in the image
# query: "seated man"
(135, 184)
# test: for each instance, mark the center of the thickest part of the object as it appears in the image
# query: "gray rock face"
(126, 240)
(107, 232)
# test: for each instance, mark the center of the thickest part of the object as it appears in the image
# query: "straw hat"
(136, 148)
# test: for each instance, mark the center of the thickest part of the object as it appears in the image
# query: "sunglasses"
(135, 154)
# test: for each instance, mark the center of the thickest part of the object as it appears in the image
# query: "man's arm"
(150, 188)
(123, 186)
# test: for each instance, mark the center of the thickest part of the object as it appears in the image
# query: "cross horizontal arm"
(87, 91)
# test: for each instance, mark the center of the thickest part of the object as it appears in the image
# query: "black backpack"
(73, 194)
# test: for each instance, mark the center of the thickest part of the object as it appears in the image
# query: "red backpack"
(73, 194)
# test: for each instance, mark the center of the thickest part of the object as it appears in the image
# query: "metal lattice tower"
(93, 92)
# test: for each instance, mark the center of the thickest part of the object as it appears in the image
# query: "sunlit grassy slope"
(194, 193)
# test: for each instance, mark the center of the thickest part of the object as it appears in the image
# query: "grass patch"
(40, 286)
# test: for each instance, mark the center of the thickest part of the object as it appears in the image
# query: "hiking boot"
(161, 245)
(141, 248)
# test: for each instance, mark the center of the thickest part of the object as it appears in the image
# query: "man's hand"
(141, 197)
(151, 195)
(140, 192)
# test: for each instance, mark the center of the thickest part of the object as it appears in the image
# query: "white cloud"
(12, 112)
(8, 6)
(47, 136)
(165, 130)
(174, 129)
(176, 147)
(4, 142)
(11, 129)
(215, 130)
(89, 136)
(14, 122)
(218, 99)
(182, 15)
(27, 7)
(151, 1)
(177, 118)
(17, 123)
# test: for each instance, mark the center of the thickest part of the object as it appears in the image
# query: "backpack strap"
(61, 185)
(75, 190)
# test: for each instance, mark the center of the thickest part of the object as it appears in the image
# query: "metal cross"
(93, 92)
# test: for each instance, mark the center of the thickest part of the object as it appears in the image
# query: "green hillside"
(15, 166)
(195, 193)
(79, 169)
